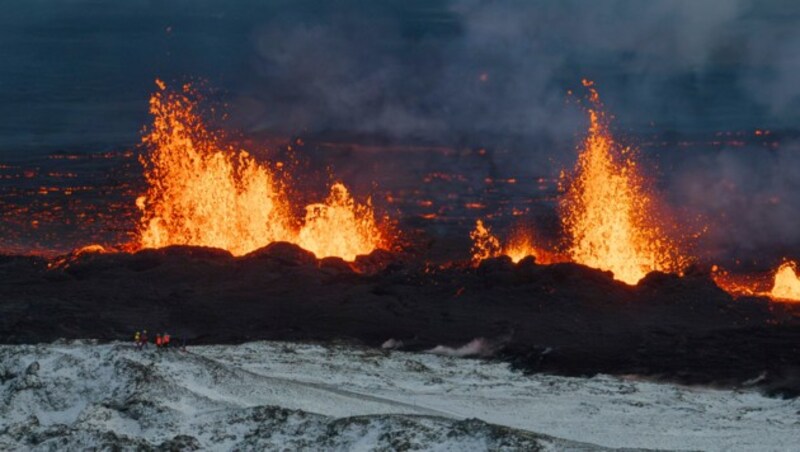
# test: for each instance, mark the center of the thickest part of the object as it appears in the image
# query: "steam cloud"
(478, 347)
(748, 197)
(418, 72)
(497, 72)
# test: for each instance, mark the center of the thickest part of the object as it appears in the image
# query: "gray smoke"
(472, 67)
(496, 73)
(748, 199)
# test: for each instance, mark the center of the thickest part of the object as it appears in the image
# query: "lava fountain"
(340, 227)
(520, 245)
(203, 192)
(608, 212)
(787, 283)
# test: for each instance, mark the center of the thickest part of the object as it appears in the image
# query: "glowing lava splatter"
(484, 244)
(205, 193)
(607, 211)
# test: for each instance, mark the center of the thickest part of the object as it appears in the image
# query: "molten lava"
(340, 227)
(608, 212)
(787, 283)
(783, 284)
(521, 246)
(205, 193)
(201, 192)
(739, 285)
(486, 245)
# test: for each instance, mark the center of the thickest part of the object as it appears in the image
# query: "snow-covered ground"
(297, 396)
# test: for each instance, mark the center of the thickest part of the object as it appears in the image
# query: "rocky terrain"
(565, 318)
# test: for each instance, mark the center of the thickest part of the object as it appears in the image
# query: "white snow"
(604, 410)
(219, 396)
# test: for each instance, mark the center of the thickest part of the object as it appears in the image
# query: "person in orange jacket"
(159, 341)
(165, 340)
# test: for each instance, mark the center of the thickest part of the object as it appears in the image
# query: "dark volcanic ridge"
(565, 318)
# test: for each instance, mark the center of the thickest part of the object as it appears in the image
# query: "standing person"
(144, 339)
(137, 340)
(165, 340)
(159, 343)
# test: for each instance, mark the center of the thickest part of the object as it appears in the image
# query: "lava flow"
(205, 193)
(608, 212)
(782, 284)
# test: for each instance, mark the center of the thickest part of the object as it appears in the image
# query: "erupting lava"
(205, 193)
(607, 211)
(340, 227)
(201, 192)
(486, 245)
(787, 283)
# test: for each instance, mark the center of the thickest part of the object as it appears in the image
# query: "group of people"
(141, 340)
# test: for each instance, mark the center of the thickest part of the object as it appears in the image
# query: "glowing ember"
(202, 192)
(787, 283)
(607, 211)
(519, 247)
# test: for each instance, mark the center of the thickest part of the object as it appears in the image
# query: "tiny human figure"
(144, 339)
(137, 340)
(159, 341)
(165, 340)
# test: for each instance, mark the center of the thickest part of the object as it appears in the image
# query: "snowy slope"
(279, 395)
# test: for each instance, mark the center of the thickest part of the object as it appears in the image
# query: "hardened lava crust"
(564, 318)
